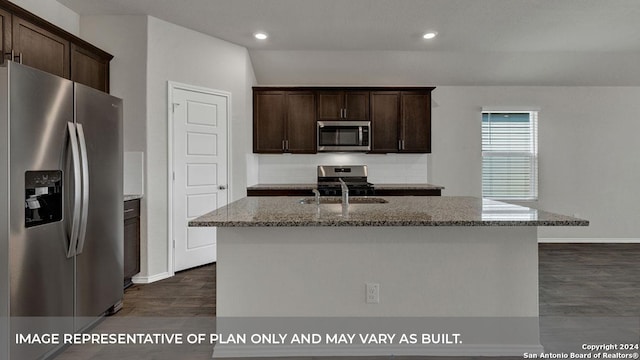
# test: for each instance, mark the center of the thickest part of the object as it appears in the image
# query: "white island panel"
(451, 274)
(422, 271)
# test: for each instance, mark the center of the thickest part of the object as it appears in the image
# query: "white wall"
(148, 53)
(588, 152)
(182, 55)
(125, 37)
(53, 12)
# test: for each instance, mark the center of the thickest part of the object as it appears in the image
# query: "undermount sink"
(352, 200)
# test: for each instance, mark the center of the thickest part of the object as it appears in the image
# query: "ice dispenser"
(43, 197)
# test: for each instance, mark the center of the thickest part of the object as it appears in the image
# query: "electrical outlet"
(373, 293)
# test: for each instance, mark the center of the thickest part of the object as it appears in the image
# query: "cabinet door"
(268, 121)
(385, 121)
(131, 248)
(301, 122)
(89, 68)
(416, 122)
(356, 105)
(40, 48)
(131, 240)
(5, 36)
(330, 105)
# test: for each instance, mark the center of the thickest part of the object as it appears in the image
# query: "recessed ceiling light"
(260, 35)
(430, 35)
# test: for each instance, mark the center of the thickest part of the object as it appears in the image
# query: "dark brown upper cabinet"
(284, 121)
(301, 122)
(415, 125)
(89, 68)
(5, 37)
(32, 41)
(39, 48)
(401, 121)
(284, 118)
(343, 105)
(385, 121)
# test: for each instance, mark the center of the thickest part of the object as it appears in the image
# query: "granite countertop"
(310, 186)
(398, 211)
(132, 197)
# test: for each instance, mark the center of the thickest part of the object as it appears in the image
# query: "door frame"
(171, 86)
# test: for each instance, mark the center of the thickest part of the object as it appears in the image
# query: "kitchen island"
(462, 265)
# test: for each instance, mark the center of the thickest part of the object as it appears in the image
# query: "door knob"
(222, 187)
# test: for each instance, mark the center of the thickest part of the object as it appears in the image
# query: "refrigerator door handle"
(75, 224)
(85, 189)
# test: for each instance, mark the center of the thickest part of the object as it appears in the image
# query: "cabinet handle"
(222, 187)
(283, 145)
(20, 57)
(402, 144)
(9, 55)
(287, 145)
(128, 210)
(399, 144)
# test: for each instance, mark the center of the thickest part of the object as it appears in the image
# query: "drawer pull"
(128, 210)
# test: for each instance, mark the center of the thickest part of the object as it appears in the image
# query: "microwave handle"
(360, 137)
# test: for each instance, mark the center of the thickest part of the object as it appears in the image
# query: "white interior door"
(200, 171)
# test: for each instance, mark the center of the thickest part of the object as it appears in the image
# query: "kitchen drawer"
(131, 209)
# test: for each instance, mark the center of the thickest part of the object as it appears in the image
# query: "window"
(510, 155)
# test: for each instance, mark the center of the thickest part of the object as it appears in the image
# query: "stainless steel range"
(355, 176)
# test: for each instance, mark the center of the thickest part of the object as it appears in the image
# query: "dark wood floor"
(589, 279)
(576, 280)
(188, 293)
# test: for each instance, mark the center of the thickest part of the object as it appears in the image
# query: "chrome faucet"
(317, 195)
(345, 192)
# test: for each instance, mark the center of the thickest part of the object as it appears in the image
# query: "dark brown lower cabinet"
(399, 191)
(131, 240)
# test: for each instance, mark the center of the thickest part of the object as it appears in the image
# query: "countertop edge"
(394, 211)
(384, 223)
(130, 197)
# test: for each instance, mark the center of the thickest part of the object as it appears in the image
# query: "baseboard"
(149, 279)
(260, 351)
(590, 240)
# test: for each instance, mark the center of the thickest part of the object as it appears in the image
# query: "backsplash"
(390, 168)
(133, 173)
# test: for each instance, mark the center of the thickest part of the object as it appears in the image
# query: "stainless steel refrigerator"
(61, 215)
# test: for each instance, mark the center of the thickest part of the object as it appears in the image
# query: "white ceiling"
(378, 42)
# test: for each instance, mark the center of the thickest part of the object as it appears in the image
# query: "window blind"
(510, 155)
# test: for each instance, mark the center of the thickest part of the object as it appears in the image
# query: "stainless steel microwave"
(344, 135)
